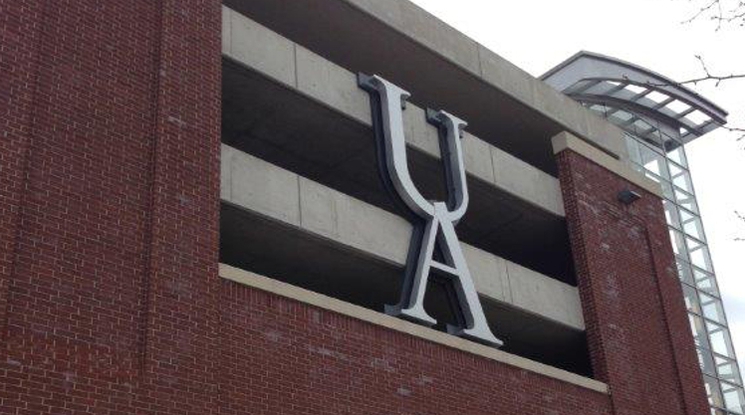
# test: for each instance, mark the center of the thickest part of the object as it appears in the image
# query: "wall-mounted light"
(628, 196)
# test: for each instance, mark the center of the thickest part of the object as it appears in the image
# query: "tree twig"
(708, 76)
(717, 12)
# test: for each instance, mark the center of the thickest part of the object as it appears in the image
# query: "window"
(678, 155)
(671, 214)
(679, 247)
(654, 162)
(691, 224)
(734, 399)
(680, 177)
(713, 392)
(705, 281)
(699, 254)
(691, 300)
(712, 308)
(686, 200)
(727, 369)
(720, 340)
(699, 331)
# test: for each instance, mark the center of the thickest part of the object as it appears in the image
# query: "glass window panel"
(671, 214)
(699, 254)
(691, 224)
(686, 200)
(712, 308)
(667, 190)
(719, 339)
(728, 370)
(681, 178)
(654, 162)
(641, 125)
(698, 117)
(705, 281)
(678, 106)
(619, 116)
(678, 155)
(657, 96)
(713, 392)
(734, 399)
(633, 147)
(597, 108)
(684, 272)
(677, 239)
(699, 331)
(691, 299)
(635, 89)
(706, 360)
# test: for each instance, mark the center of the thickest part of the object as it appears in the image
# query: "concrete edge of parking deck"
(285, 290)
(257, 186)
(313, 76)
(566, 141)
(455, 47)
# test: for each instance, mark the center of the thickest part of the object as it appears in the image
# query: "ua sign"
(434, 221)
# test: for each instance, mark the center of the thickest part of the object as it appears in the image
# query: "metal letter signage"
(437, 220)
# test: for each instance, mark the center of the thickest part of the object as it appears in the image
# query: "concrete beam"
(261, 50)
(441, 65)
(272, 192)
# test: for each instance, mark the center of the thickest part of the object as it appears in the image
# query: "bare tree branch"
(707, 77)
(716, 10)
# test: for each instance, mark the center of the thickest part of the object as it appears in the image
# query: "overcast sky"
(538, 34)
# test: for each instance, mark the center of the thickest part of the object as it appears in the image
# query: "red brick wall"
(19, 55)
(278, 356)
(108, 222)
(109, 297)
(638, 333)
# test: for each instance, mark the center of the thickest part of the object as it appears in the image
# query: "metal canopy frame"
(592, 78)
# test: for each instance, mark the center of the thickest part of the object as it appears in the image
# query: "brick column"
(19, 59)
(638, 333)
(183, 276)
(109, 172)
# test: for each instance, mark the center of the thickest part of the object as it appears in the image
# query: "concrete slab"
(289, 129)
(331, 85)
(261, 186)
(281, 196)
(227, 16)
(336, 88)
(440, 65)
(477, 156)
(530, 184)
(531, 291)
(262, 49)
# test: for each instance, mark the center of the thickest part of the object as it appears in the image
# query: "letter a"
(437, 218)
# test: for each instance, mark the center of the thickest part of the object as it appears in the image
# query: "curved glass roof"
(648, 103)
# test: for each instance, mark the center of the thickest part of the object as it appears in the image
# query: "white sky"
(538, 34)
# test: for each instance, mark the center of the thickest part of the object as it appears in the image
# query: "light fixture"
(628, 196)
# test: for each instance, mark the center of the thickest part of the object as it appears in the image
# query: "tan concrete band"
(261, 50)
(337, 306)
(567, 141)
(295, 202)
